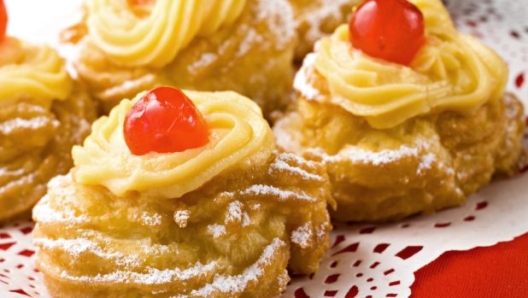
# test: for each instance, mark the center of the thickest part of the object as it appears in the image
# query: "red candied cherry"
(164, 120)
(141, 7)
(141, 2)
(3, 20)
(392, 30)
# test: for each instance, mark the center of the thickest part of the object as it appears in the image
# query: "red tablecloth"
(498, 271)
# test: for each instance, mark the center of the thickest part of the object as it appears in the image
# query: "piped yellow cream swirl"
(155, 37)
(35, 73)
(239, 136)
(452, 71)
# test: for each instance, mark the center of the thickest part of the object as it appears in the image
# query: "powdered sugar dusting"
(260, 189)
(283, 278)
(44, 213)
(79, 246)
(74, 247)
(426, 162)
(321, 230)
(358, 155)
(25, 180)
(269, 190)
(302, 235)
(281, 164)
(204, 60)
(382, 157)
(181, 217)
(150, 219)
(234, 212)
(251, 38)
(216, 230)
(246, 220)
(279, 16)
(11, 125)
(301, 84)
(237, 283)
(133, 84)
(153, 276)
(83, 129)
(5, 172)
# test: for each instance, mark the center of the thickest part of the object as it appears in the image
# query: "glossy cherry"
(140, 2)
(3, 20)
(392, 30)
(164, 120)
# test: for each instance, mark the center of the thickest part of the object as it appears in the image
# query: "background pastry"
(240, 45)
(43, 113)
(317, 18)
(413, 126)
(219, 213)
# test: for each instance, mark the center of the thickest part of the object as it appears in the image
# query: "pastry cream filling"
(34, 73)
(452, 71)
(155, 38)
(239, 136)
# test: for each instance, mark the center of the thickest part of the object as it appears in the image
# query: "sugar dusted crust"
(425, 164)
(36, 144)
(234, 237)
(251, 56)
(400, 140)
(317, 18)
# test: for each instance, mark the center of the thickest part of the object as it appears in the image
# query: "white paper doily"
(367, 261)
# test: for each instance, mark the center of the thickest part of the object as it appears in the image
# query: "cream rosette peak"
(153, 38)
(32, 72)
(452, 71)
(238, 136)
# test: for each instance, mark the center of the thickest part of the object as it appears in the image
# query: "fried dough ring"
(233, 237)
(35, 146)
(252, 56)
(426, 164)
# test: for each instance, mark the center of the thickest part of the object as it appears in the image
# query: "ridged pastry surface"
(42, 115)
(231, 226)
(251, 55)
(401, 140)
(425, 164)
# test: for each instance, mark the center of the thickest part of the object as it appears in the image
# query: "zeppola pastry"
(317, 18)
(182, 194)
(408, 119)
(43, 113)
(243, 45)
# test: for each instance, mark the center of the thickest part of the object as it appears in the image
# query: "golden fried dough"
(427, 164)
(102, 232)
(317, 18)
(233, 237)
(252, 55)
(402, 139)
(42, 115)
